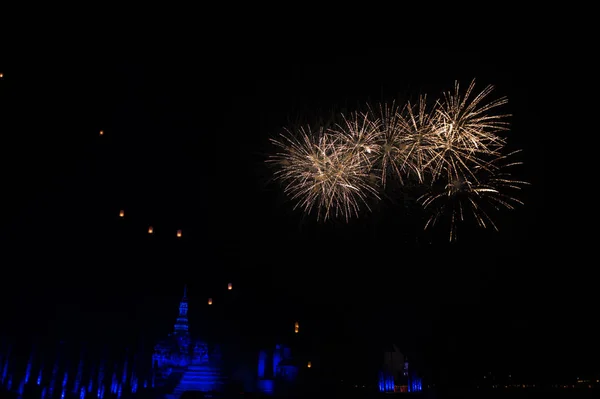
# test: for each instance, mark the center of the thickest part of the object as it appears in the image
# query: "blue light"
(262, 363)
(65, 379)
(124, 379)
(203, 377)
(386, 382)
(100, 391)
(64, 385)
(53, 378)
(266, 386)
(134, 383)
(5, 368)
(79, 376)
(415, 385)
(114, 382)
(28, 370)
(276, 358)
(181, 325)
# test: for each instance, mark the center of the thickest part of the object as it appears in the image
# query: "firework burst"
(466, 132)
(453, 148)
(487, 188)
(416, 144)
(357, 136)
(320, 171)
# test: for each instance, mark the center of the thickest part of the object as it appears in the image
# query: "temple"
(181, 362)
(184, 363)
(178, 363)
(187, 364)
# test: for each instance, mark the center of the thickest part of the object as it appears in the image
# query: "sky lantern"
(210, 301)
(229, 286)
(1, 75)
(101, 132)
(122, 213)
(309, 365)
(178, 233)
(296, 327)
(150, 230)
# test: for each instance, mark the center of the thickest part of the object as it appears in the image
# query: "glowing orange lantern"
(122, 213)
(229, 286)
(150, 230)
(210, 301)
(296, 327)
(101, 132)
(309, 365)
(178, 233)
(1, 75)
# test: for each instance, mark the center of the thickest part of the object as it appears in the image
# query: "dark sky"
(184, 148)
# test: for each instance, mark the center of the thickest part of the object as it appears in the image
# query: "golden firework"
(452, 146)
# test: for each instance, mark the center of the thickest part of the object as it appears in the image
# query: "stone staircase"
(199, 378)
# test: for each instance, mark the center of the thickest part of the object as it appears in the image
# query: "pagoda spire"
(181, 325)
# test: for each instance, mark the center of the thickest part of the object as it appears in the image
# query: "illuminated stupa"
(187, 364)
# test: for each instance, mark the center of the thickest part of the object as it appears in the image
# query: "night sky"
(184, 145)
